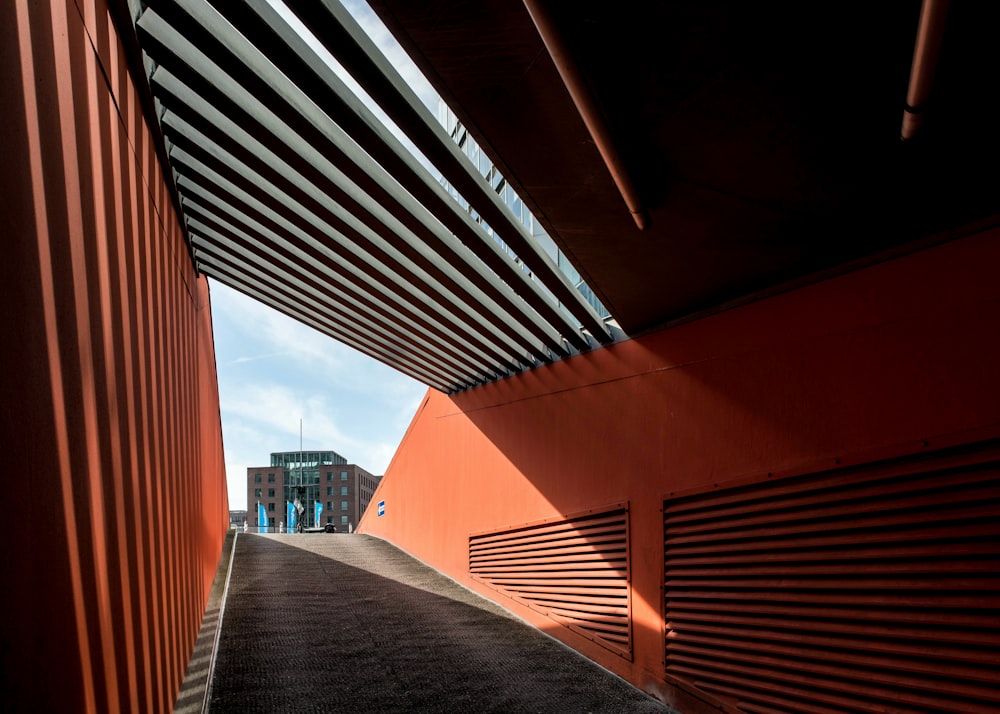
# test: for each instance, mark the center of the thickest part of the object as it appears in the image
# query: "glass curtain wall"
(301, 479)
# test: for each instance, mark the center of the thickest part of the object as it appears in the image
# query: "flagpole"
(300, 452)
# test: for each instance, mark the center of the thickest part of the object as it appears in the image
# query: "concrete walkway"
(349, 623)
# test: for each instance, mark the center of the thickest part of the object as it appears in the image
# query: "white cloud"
(241, 360)
(274, 371)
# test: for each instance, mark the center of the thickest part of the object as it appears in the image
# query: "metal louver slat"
(291, 53)
(861, 589)
(345, 40)
(325, 295)
(236, 282)
(263, 135)
(573, 569)
(405, 306)
(277, 107)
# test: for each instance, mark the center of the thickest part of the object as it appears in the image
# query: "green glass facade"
(301, 478)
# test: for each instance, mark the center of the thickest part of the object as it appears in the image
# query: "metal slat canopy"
(295, 193)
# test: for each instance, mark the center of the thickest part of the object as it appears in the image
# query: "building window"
(270, 493)
(329, 475)
(256, 493)
(256, 478)
(343, 490)
(343, 505)
(329, 506)
(343, 475)
(270, 521)
(270, 478)
(329, 490)
(343, 520)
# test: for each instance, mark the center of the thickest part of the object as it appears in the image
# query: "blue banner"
(261, 519)
(291, 516)
(319, 510)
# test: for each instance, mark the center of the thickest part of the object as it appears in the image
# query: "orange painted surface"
(117, 506)
(865, 365)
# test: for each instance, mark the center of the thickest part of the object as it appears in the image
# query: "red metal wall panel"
(117, 504)
(899, 358)
(866, 589)
(574, 570)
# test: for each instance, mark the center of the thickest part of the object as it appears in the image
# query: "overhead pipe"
(587, 107)
(925, 60)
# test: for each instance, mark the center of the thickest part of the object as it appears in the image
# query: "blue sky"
(274, 371)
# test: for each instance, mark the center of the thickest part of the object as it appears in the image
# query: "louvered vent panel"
(573, 569)
(869, 589)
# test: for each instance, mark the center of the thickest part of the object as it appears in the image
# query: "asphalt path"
(349, 623)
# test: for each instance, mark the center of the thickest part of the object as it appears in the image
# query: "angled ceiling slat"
(434, 360)
(240, 183)
(352, 47)
(366, 240)
(235, 280)
(341, 270)
(381, 317)
(292, 54)
(260, 88)
(264, 160)
(276, 285)
(341, 286)
(334, 302)
(274, 172)
(251, 206)
(294, 192)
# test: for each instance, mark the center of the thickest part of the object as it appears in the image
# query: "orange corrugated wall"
(114, 498)
(894, 359)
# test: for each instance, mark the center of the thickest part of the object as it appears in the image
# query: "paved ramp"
(349, 623)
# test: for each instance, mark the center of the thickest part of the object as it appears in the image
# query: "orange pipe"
(925, 59)
(587, 107)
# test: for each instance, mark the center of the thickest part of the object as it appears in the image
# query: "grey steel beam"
(337, 268)
(282, 44)
(236, 280)
(318, 304)
(349, 224)
(355, 303)
(348, 334)
(206, 210)
(340, 34)
(389, 270)
(326, 249)
(235, 200)
(279, 94)
(275, 284)
(233, 279)
(268, 168)
(328, 300)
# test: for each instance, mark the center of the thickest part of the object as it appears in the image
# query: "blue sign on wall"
(381, 508)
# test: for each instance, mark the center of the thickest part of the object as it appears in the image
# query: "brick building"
(342, 490)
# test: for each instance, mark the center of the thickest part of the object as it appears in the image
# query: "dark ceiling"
(763, 138)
